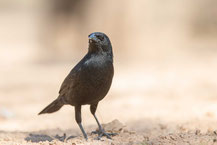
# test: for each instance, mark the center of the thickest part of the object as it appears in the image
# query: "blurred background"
(165, 57)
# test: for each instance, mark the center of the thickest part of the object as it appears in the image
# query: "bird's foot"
(102, 133)
(86, 138)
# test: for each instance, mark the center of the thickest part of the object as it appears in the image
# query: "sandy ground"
(174, 105)
(168, 96)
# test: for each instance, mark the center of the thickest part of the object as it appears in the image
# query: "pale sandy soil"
(174, 105)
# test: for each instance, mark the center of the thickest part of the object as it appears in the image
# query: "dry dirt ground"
(154, 106)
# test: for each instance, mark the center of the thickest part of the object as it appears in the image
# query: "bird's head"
(99, 42)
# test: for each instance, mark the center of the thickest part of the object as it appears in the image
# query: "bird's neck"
(93, 48)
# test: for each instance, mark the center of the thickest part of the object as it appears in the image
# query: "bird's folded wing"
(67, 84)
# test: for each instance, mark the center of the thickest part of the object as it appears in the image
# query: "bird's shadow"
(42, 137)
(53, 134)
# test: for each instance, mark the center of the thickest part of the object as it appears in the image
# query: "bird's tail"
(52, 107)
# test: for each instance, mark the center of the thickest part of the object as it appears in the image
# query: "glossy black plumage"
(89, 81)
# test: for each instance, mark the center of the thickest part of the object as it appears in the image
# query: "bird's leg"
(101, 131)
(78, 119)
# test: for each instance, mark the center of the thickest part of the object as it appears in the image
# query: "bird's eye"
(100, 37)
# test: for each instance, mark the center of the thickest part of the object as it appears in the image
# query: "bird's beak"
(92, 38)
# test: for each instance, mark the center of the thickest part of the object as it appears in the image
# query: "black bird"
(88, 82)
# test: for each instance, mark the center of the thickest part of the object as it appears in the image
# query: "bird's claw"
(102, 133)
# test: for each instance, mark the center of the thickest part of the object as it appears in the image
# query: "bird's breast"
(95, 79)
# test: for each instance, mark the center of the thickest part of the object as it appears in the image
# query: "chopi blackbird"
(88, 82)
